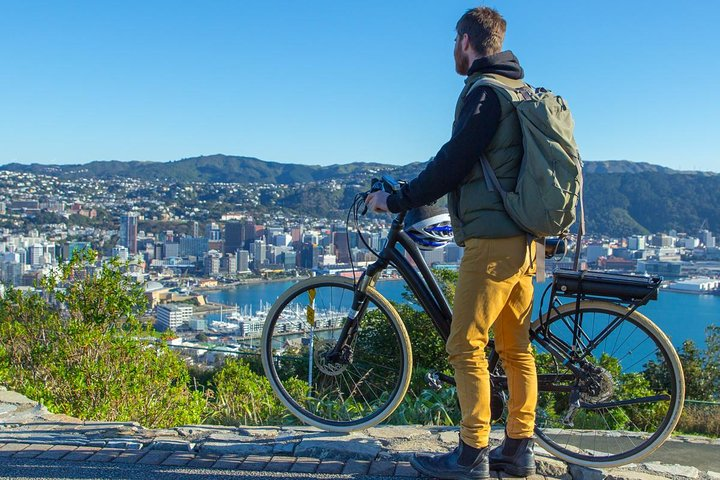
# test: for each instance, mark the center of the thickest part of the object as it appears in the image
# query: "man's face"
(462, 58)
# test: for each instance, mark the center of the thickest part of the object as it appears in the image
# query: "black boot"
(514, 457)
(463, 463)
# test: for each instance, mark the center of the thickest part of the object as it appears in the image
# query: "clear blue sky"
(326, 82)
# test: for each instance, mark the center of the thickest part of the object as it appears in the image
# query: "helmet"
(429, 227)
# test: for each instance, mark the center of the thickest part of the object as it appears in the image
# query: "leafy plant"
(242, 397)
(79, 347)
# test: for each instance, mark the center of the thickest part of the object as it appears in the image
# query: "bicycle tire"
(675, 382)
(394, 384)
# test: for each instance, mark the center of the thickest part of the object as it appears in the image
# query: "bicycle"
(610, 383)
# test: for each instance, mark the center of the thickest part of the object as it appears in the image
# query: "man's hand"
(377, 201)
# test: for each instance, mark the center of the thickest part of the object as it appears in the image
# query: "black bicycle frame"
(424, 286)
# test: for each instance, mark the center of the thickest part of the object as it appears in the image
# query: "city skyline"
(329, 83)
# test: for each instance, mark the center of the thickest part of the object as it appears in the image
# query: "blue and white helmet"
(429, 227)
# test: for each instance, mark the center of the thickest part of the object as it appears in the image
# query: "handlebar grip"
(390, 181)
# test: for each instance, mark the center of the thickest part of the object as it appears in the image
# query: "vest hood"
(503, 63)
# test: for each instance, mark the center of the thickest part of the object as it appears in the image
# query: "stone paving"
(27, 430)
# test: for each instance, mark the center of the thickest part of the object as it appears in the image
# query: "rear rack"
(633, 291)
(628, 288)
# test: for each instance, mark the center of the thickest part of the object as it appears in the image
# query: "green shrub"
(700, 418)
(79, 348)
(242, 397)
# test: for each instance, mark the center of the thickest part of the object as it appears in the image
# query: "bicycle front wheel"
(626, 403)
(354, 393)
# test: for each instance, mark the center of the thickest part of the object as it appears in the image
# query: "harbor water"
(681, 316)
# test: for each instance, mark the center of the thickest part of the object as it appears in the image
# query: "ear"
(464, 42)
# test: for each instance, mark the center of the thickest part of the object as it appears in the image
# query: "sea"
(681, 316)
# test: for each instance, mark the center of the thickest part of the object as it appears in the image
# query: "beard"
(462, 63)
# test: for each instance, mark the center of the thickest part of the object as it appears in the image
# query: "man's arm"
(477, 124)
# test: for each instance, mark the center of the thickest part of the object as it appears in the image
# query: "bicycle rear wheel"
(355, 393)
(629, 401)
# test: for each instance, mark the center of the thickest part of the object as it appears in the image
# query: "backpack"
(549, 184)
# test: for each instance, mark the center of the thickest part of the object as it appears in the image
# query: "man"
(495, 279)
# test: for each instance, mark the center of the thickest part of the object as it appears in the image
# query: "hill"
(621, 197)
(212, 168)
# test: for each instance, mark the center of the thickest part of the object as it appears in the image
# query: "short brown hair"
(486, 29)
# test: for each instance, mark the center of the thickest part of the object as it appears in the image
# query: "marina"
(681, 316)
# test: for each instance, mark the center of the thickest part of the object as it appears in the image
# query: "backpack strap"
(508, 88)
(581, 224)
(504, 84)
(491, 181)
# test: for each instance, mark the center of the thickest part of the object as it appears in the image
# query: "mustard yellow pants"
(494, 290)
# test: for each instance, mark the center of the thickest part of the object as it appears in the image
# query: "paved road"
(26, 469)
(702, 456)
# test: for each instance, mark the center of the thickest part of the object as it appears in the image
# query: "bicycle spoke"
(621, 410)
(354, 387)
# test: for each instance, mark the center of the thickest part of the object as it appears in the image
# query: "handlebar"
(386, 183)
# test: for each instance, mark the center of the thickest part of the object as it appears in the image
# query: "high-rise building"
(195, 229)
(636, 242)
(296, 233)
(289, 259)
(662, 240)
(707, 238)
(36, 255)
(228, 264)
(171, 249)
(50, 252)
(120, 252)
(212, 232)
(234, 237)
(342, 247)
(270, 233)
(195, 246)
(243, 261)
(259, 254)
(282, 239)
(172, 316)
(310, 256)
(250, 233)
(159, 251)
(22, 256)
(128, 232)
(11, 270)
(212, 262)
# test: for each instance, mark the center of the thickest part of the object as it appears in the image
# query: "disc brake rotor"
(331, 369)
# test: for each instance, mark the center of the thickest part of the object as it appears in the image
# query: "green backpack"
(549, 183)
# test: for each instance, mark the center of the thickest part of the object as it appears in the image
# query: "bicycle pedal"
(432, 378)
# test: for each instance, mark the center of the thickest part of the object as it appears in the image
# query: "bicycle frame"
(424, 286)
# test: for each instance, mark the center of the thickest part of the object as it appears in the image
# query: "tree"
(78, 347)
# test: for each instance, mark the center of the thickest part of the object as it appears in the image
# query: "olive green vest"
(475, 211)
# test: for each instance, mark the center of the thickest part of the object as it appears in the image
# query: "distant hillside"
(624, 166)
(621, 197)
(212, 168)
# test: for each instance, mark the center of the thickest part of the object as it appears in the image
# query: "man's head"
(480, 32)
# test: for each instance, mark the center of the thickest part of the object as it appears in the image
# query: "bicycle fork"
(343, 350)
